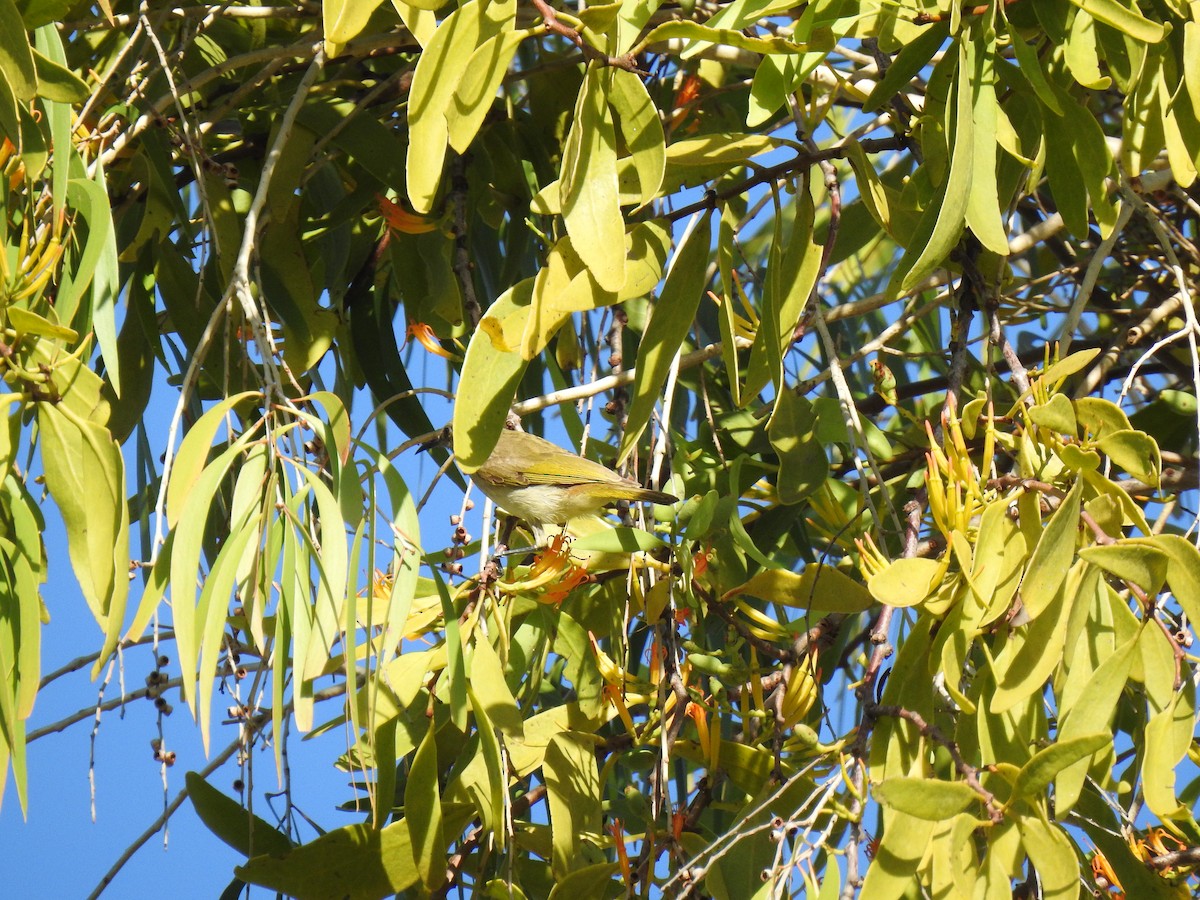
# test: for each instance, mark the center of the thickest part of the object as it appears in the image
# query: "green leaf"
(1134, 561)
(926, 798)
(984, 203)
(1035, 776)
(495, 368)
(423, 811)
(491, 689)
(10, 114)
(592, 882)
(477, 90)
(669, 326)
(106, 282)
(803, 465)
(1090, 714)
(1057, 414)
(1082, 53)
(17, 64)
(488, 792)
(907, 582)
(356, 862)
(344, 20)
(912, 58)
(1023, 666)
(1051, 559)
(1124, 19)
(56, 82)
(233, 823)
(618, 540)
(456, 668)
(819, 588)
(573, 797)
(85, 474)
(588, 183)
(1135, 452)
(90, 199)
(945, 216)
(641, 131)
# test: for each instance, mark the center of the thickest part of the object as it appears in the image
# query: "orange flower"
(617, 830)
(1105, 877)
(685, 98)
(400, 219)
(423, 335)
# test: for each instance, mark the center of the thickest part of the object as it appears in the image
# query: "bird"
(538, 481)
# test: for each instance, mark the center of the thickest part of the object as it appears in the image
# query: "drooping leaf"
(669, 325)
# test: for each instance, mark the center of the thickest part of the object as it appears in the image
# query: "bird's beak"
(439, 440)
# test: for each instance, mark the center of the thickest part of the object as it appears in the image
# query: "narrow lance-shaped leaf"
(573, 788)
(947, 212)
(641, 130)
(983, 204)
(423, 811)
(1052, 556)
(588, 183)
(669, 326)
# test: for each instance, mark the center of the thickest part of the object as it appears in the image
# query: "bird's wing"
(554, 468)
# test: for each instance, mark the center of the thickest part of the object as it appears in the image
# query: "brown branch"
(763, 646)
(463, 267)
(468, 845)
(770, 173)
(552, 24)
(1189, 856)
(969, 773)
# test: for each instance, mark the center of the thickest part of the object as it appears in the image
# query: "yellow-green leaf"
(1091, 713)
(423, 811)
(233, 823)
(1035, 776)
(907, 582)
(1124, 19)
(17, 65)
(641, 130)
(478, 87)
(1052, 556)
(926, 798)
(493, 367)
(819, 588)
(1138, 562)
(355, 862)
(1024, 664)
(588, 183)
(669, 326)
(491, 690)
(1135, 452)
(573, 797)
